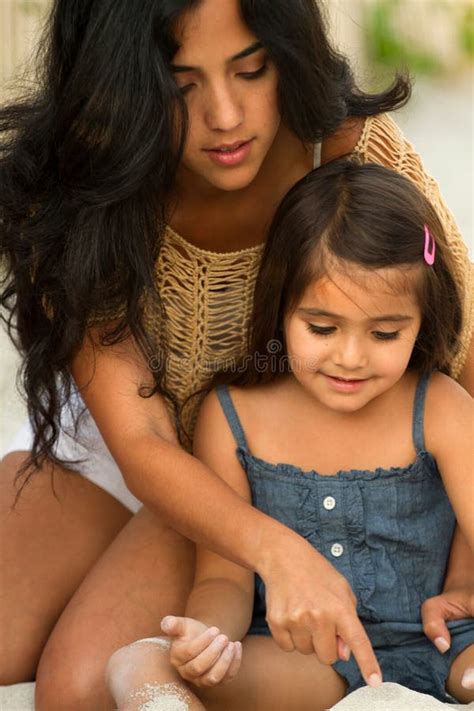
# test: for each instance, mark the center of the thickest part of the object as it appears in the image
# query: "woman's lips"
(231, 155)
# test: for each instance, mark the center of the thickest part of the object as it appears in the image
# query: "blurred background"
(434, 39)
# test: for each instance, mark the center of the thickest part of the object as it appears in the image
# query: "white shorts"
(98, 465)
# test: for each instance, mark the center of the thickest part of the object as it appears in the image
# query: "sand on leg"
(141, 676)
(269, 679)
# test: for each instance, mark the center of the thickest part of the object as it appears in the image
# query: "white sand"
(389, 697)
(19, 697)
(392, 697)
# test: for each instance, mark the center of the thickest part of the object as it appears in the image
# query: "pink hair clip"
(430, 247)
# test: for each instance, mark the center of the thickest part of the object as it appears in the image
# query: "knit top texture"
(207, 296)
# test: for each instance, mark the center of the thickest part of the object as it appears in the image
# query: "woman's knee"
(72, 678)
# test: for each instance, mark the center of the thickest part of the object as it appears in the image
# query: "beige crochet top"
(207, 296)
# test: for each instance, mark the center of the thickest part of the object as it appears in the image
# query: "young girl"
(345, 429)
(137, 186)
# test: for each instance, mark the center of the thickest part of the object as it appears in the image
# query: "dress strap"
(317, 155)
(419, 412)
(230, 412)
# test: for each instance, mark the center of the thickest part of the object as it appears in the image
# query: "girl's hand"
(456, 604)
(200, 653)
(436, 611)
(311, 608)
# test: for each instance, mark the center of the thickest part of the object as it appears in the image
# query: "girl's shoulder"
(448, 410)
(253, 401)
(255, 407)
(443, 390)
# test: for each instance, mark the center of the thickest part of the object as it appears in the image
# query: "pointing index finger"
(358, 642)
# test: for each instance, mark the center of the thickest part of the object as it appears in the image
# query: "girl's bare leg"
(462, 662)
(146, 573)
(47, 545)
(268, 679)
(141, 673)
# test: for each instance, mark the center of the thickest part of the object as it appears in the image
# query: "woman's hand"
(311, 608)
(200, 653)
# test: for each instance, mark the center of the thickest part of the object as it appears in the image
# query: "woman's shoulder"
(371, 139)
(344, 141)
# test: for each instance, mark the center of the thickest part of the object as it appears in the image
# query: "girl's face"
(350, 338)
(230, 88)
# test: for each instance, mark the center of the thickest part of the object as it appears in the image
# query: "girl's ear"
(343, 142)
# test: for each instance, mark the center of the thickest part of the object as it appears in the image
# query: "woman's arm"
(309, 603)
(220, 604)
(223, 592)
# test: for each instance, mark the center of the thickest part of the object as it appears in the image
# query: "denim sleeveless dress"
(387, 531)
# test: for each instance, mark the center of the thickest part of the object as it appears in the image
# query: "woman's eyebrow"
(240, 55)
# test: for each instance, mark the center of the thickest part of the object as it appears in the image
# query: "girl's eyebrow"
(376, 319)
(240, 55)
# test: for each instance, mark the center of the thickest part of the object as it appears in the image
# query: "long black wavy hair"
(88, 158)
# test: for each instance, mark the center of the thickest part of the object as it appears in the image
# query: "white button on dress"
(329, 503)
(337, 550)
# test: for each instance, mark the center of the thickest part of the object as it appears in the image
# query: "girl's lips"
(232, 157)
(344, 385)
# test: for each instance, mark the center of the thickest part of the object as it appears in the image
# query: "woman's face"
(230, 88)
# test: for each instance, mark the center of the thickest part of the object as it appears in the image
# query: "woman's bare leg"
(268, 679)
(145, 573)
(47, 546)
(458, 667)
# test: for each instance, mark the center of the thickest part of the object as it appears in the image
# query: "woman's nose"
(223, 110)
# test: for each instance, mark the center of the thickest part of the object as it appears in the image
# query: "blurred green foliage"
(467, 32)
(30, 7)
(386, 47)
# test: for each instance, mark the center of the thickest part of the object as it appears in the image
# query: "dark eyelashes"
(385, 336)
(327, 330)
(320, 330)
(248, 76)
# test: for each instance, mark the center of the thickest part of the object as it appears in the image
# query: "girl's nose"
(350, 353)
(223, 110)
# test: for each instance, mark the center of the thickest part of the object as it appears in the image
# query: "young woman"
(137, 188)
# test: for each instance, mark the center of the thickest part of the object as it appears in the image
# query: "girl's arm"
(449, 421)
(309, 604)
(456, 602)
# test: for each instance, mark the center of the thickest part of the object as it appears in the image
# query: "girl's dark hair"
(89, 156)
(338, 217)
